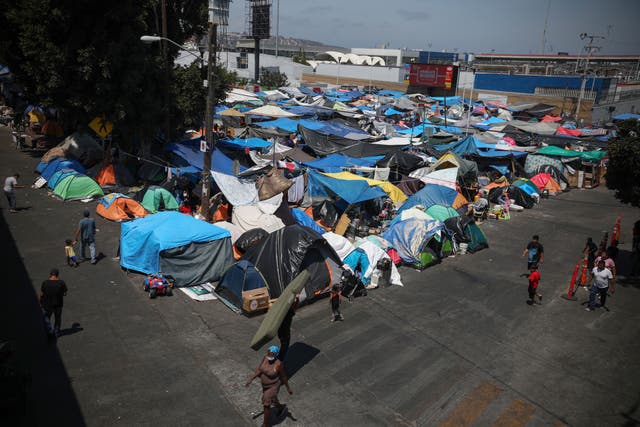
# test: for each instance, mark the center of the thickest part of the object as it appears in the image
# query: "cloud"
(413, 15)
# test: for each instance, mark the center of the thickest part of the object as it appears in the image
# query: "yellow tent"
(394, 192)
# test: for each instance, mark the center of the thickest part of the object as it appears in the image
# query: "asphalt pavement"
(456, 346)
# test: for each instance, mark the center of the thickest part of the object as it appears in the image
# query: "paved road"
(457, 346)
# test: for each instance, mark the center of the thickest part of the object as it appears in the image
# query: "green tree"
(273, 79)
(86, 58)
(300, 57)
(623, 170)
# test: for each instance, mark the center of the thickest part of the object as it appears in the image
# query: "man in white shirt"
(601, 277)
(10, 185)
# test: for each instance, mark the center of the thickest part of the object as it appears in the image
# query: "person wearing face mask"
(272, 376)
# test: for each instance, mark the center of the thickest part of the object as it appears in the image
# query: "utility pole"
(165, 60)
(210, 137)
(544, 32)
(277, 24)
(589, 48)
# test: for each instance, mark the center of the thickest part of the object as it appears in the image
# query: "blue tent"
(305, 220)
(59, 176)
(283, 123)
(335, 162)
(48, 169)
(190, 250)
(527, 186)
(240, 277)
(241, 144)
(322, 186)
(410, 237)
(472, 146)
(429, 195)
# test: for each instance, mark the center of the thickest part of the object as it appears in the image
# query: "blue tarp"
(283, 123)
(48, 169)
(335, 162)
(302, 110)
(334, 128)
(626, 116)
(391, 93)
(429, 195)
(307, 91)
(472, 146)
(110, 198)
(190, 152)
(392, 112)
(410, 236)
(305, 220)
(142, 240)
(241, 144)
(59, 176)
(451, 100)
(350, 191)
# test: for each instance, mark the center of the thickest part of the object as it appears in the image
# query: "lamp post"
(210, 137)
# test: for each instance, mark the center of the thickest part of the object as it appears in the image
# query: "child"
(334, 300)
(534, 280)
(72, 261)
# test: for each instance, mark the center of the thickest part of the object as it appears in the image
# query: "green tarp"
(592, 156)
(76, 187)
(441, 213)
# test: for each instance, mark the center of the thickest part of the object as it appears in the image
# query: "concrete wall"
(292, 69)
(601, 113)
(361, 72)
(311, 78)
(529, 83)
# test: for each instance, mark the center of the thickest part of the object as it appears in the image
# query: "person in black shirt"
(284, 331)
(52, 295)
(535, 252)
(590, 250)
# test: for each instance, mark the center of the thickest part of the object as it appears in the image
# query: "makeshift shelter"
(157, 199)
(520, 197)
(412, 239)
(528, 186)
(321, 187)
(400, 163)
(467, 169)
(84, 148)
(331, 142)
(545, 181)
(339, 162)
(270, 111)
(432, 194)
(286, 252)
(77, 187)
(243, 288)
(118, 207)
(249, 217)
(189, 250)
(441, 213)
(394, 192)
(463, 229)
(59, 176)
(46, 170)
(114, 174)
(445, 177)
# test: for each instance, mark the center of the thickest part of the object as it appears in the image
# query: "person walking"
(87, 232)
(591, 251)
(272, 376)
(284, 331)
(610, 265)
(10, 186)
(334, 300)
(534, 281)
(52, 293)
(534, 252)
(601, 277)
(70, 254)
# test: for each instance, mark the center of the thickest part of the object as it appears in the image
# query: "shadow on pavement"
(44, 392)
(299, 354)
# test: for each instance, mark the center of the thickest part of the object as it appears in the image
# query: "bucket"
(462, 248)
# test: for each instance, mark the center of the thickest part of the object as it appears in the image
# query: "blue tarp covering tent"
(59, 176)
(190, 152)
(335, 162)
(392, 112)
(429, 195)
(241, 144)
(352, 192)
(409, 237)
(391, 93)
(283, 123)
(527, 186)
(626, 116)
(302, 110)
(48, 169)
(472, 146)
(337, 129)
(305, 220)
(190, 250)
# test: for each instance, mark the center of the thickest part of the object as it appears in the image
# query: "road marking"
(516, 415)
(472, 406)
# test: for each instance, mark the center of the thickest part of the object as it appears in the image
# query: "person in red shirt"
(534, 280)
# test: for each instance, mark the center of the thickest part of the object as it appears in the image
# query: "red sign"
(431, 75)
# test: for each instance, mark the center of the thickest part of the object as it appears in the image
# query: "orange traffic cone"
(571, 293)
(583, 274)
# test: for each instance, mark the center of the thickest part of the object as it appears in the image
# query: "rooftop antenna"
(544, 32)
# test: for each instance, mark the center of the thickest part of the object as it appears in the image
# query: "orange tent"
(118, 207)
(114, 174)
(545, 181)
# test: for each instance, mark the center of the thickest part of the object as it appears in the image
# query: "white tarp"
(445, 177)
(340, 244)
(234, 230)
(270, 111)
(238, 192)
(251, 216)
(374, 254)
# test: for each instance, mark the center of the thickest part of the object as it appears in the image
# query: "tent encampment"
(412, 237)
(59, 176)
(237, 284)
(190, 250)
(77, 187)
(114, 174)
(545, 181)
(47, 170)
(158, 199)
(433, 194)
(286, 252)
(118, 207)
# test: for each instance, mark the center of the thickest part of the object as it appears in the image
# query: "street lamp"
(210, 137)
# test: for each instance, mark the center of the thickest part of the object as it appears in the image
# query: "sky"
(479, 26)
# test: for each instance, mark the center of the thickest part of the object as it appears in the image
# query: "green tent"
(269, 327)
(477, 239)
(158, 199)
(76, 187)
(441, 212)
(592, 156)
